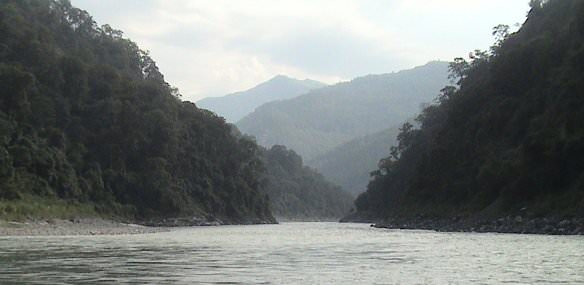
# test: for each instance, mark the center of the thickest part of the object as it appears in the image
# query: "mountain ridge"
(317, 121)
(349, 164)
(236, 105)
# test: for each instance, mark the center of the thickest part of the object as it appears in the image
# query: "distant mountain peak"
(322, 119)
(282, 77)
(236, 105)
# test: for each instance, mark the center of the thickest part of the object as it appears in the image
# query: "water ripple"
(294, 253)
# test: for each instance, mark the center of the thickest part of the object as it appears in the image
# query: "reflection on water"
(294, 253)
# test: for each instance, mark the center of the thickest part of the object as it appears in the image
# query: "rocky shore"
(196, 221)
(507, 224)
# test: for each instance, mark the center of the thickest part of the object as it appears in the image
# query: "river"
(293, 253)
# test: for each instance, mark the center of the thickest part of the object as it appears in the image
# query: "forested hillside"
(298, 192)
(315, 123)
(507, 140)
(235, 106)
(349, 164)
(88, 121)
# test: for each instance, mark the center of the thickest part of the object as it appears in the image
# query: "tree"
(446, 94)
(458, 70)
(501, 33)
(536, 4)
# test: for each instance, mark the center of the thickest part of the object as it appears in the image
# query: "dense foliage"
(237, 105)
(508, 138)
(86, 117)
(322, 119)
(298, 192)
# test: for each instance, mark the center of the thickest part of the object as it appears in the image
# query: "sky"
(215, 47)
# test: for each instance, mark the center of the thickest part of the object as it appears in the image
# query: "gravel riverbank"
(56, 227)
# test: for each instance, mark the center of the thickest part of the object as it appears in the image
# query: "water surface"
(294, 253)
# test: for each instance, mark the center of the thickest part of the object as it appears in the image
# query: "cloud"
(212, 48)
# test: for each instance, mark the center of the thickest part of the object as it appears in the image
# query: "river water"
(294, 253)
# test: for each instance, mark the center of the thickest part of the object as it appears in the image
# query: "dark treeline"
(86, 117)
(507, 138)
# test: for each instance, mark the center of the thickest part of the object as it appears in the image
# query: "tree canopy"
(507, 137)
(298, 192)
(87, 117)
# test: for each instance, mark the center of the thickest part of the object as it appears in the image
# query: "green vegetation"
(298, 192)
(35, 206)
(316, 122)
(509, 138)
(87, 123)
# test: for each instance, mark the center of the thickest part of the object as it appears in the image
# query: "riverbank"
(99, 226)
(508, 224)
(86, 226)
(208, 220)
(281, 219)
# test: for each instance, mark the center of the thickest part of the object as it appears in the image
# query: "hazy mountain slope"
(349, 164)
(508, 142)
(235, 106)
(298, 192)
(88, 125)
(316, 122)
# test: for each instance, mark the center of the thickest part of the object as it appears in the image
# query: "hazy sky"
(214, 47)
